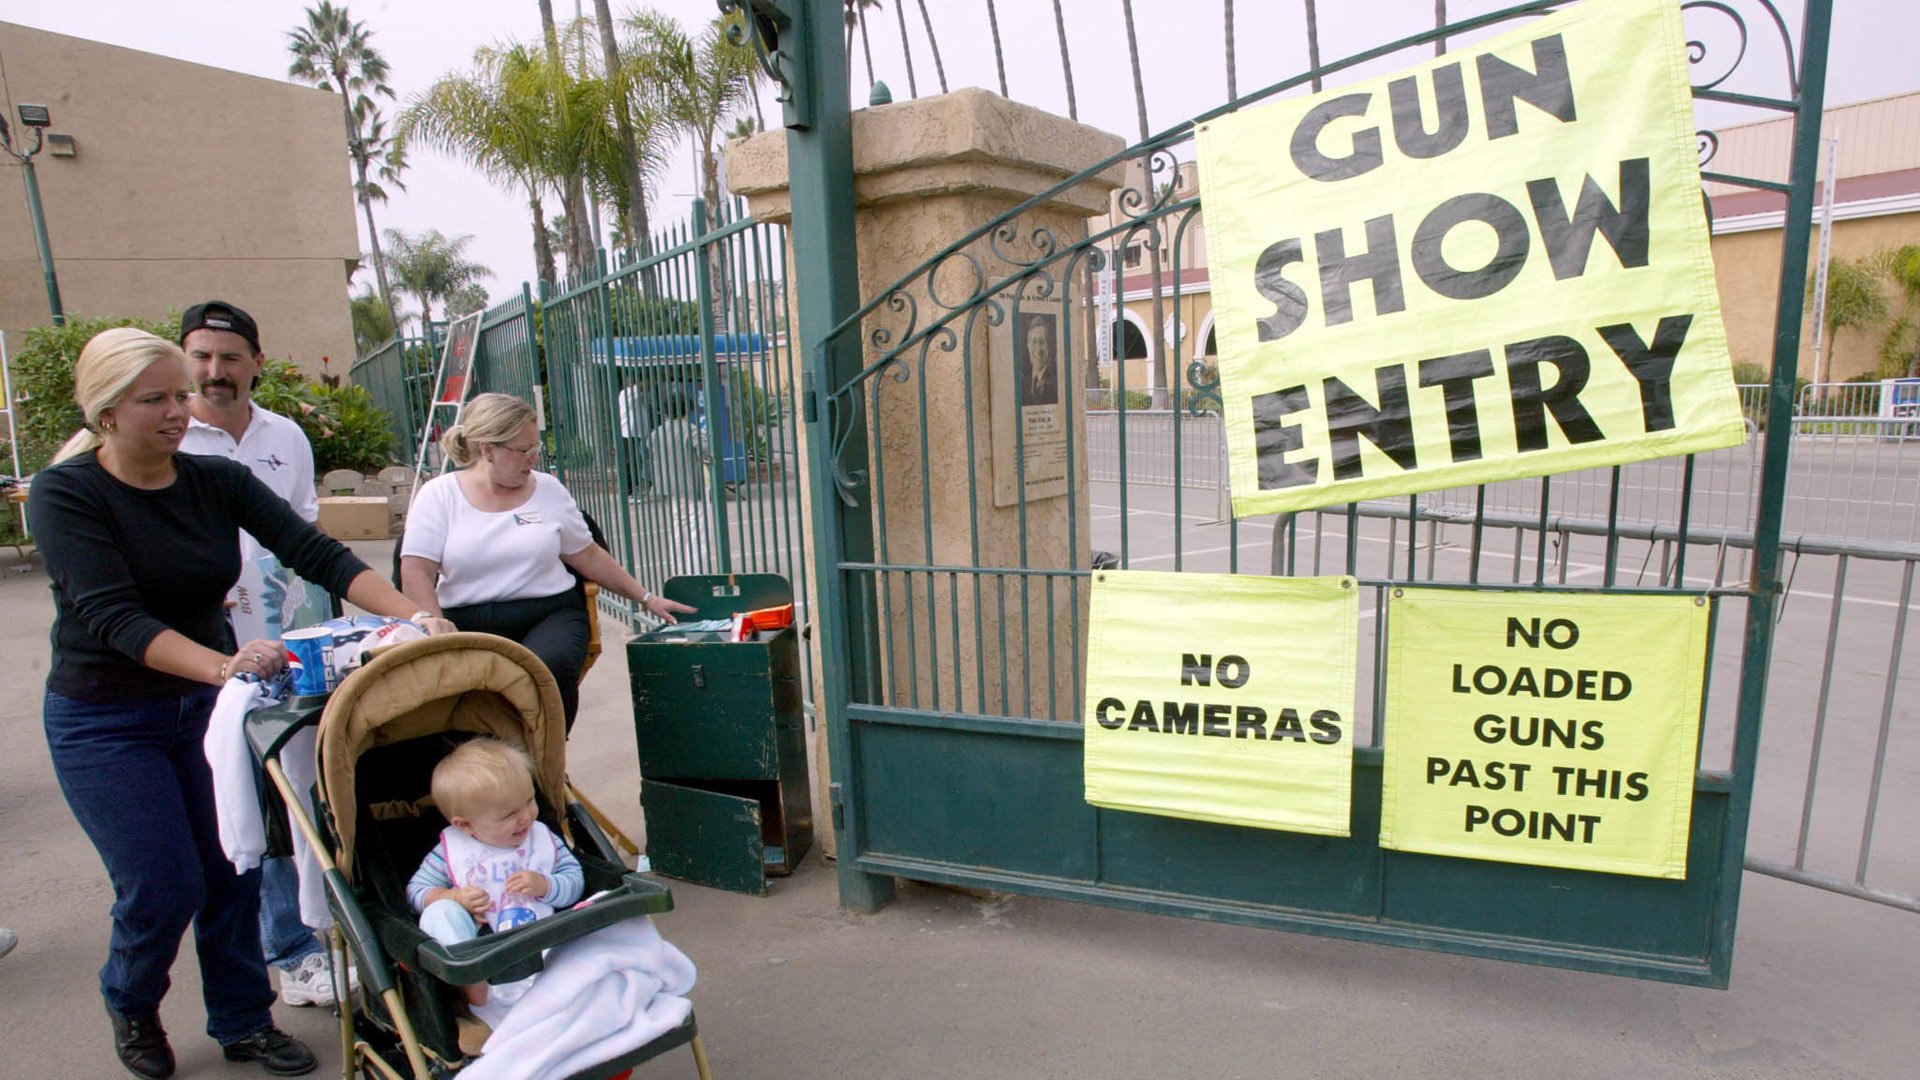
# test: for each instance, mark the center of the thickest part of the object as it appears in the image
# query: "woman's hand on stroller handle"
(430, 623)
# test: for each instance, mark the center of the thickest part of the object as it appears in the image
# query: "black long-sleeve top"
(127, 563)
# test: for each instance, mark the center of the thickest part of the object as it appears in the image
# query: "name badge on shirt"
(531, 517)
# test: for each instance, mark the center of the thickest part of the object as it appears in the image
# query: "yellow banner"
(1548, 728)
(1490, 266)
(1222, 697)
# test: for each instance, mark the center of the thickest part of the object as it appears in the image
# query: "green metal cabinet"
(723, 772)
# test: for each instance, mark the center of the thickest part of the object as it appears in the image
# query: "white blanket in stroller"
(600, 996)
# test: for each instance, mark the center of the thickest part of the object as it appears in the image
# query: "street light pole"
(40, 240)
(36, 117)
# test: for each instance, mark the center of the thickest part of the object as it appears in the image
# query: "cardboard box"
(355, 517)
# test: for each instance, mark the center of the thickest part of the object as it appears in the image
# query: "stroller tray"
(516, 954)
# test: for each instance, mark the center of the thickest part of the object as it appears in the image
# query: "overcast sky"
(1181, 43)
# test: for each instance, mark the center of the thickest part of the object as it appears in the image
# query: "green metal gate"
(669, 380)
(953, 716)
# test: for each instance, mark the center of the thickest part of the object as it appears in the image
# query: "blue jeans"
(284, 939)
(137, 779)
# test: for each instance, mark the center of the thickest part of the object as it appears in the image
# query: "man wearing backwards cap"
(222, 344)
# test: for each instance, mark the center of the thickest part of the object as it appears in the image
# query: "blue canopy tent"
(660, 363)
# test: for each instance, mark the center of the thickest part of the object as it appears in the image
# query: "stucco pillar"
(928, 172)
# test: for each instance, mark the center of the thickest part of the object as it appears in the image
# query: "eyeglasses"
(529, 452)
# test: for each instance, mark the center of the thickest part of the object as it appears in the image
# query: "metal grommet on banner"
(1699, 601)
(1399, 594)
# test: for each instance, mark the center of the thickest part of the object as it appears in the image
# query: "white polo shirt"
(275, 449)
(487, 556)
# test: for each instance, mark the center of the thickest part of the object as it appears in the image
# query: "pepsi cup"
(310, 660)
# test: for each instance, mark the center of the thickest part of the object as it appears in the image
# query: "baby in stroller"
(495, 864)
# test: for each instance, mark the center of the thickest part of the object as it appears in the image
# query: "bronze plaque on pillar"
(1029, 401)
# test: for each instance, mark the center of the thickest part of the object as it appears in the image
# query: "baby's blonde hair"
(475, 770)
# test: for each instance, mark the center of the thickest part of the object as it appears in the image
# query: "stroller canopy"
(476, 683)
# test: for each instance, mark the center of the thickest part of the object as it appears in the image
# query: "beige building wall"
(1747, 265)
(190, 182)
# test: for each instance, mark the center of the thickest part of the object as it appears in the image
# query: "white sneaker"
(311, 982)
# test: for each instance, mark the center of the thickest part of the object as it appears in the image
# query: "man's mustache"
(208, 384)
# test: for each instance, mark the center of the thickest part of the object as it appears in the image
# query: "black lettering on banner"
(1455, 376)
(1547, 87)
(1569, 237)
(1559, 633)
(1250, 719)
(1410, 132)
(1233, 671)
(1493, 728)
(1534, 824)
(1510, 248)
(1180, 718)
(1100, 713)
(1379, 264)
(1196, 670)
(1532, 401)
(1600, 783)
(1390, 427)
(1287, 726)
(1289, 300)
(1652, 367)
(1366, 155)
(1273, 440)
(1326, 726)
(1218, 720)
(1143, 717)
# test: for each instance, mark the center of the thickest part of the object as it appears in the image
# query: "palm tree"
(505, 118)
(432, 267)
(334, 52)
(633, 169)
(700, 83)
(466, 300)
(857, 16)
(572, 191)
(1856, 299)
(372, 321)
(386, 158)
(1901, 265)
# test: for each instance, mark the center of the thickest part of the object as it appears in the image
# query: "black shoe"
(278, 1052)
(142, 1045)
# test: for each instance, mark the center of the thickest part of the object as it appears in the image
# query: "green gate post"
(712, 386)
(802, 42)
(1762, 609)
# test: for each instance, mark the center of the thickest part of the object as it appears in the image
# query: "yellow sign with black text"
(1223, 697)
(1555, 729)
(1492, 265)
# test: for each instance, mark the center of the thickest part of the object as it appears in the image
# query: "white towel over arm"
(236, 799)
(600, 996)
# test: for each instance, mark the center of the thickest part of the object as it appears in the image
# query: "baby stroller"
(370, 820)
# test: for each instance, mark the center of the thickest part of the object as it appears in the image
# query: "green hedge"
(347, 429)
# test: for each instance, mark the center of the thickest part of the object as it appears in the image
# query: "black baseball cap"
(219, 315)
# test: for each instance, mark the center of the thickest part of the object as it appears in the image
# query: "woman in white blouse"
(489, 547)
